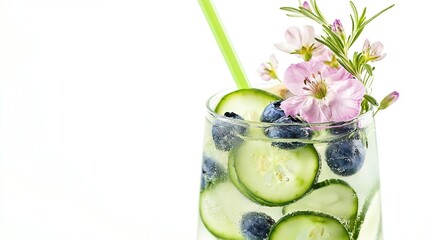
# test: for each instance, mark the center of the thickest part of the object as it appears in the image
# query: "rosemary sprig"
(359, 62)
(358, 65)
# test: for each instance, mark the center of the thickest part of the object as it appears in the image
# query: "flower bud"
(389, 100)
(337, 27)
(306, 5)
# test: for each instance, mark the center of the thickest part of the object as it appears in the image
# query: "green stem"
(378, 109)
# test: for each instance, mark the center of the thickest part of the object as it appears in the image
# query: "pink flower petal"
(285, 47)
(307, 36)
(310, 109)
(293, 37)
(323, 54)
(301, 42)
(341, 96)
(344, 109)
(292, 105)
(366, 45)
(306, 5)
(373, 52)
(348, 89)
(274, 62)
(317, 112)
(296, 73)
(336, 74)
(376, 48)
(319, 49)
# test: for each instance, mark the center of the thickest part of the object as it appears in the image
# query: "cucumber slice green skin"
(334, 197)
(234, 179)
(273, 176)
(219, 214)
(308, 225)
(222, 207)
(248, 103)
(369, 218)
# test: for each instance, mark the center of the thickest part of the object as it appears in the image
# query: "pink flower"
(301, 42)
(321, 93)
(329, 58)
(373, 52)
(267, 70)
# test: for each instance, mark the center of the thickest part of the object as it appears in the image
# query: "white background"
(102, 108)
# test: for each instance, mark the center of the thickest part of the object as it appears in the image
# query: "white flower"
(301, 42)
(267, 70)
(373, 52)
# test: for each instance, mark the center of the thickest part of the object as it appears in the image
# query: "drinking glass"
(321, 184)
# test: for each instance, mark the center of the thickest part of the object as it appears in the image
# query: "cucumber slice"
(248, 103)
(368, 223)
(234, 179)
(222, 207)
(334, 197)
(308, 226)
(275, 175)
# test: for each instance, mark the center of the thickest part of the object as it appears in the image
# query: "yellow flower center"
(317, 86)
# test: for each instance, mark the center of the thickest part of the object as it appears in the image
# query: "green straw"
(225, 46)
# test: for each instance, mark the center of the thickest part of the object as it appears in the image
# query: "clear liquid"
(365, 183)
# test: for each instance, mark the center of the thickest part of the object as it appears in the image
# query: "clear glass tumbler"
(324, 184)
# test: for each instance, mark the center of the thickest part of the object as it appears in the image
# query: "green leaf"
(356, 57)
(368, 68)
(311, 15)
(317, 10)
(331, 45)
(362, 17)
(294, 15)
(290, 9)
(378, 14)
(351, 64)
(353, 23)
(355, 12)
(364, 105)
(371, 99)
(346, 65)
(355, 37)
(336, 40)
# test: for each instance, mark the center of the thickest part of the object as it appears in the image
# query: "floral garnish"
(373, 52)
(321, 93)
(267, 70)
(306, 5)
(337, 27)
(388, 100)
(332, 84)
(329, 58)
(301, 43)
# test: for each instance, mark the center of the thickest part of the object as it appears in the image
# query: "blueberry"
(256, 225)
(345, 157)
(226, 135)
(342, 128)
(293, 129)
(212, 171)
(272, 112)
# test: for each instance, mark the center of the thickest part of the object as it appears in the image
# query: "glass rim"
(361, 117)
